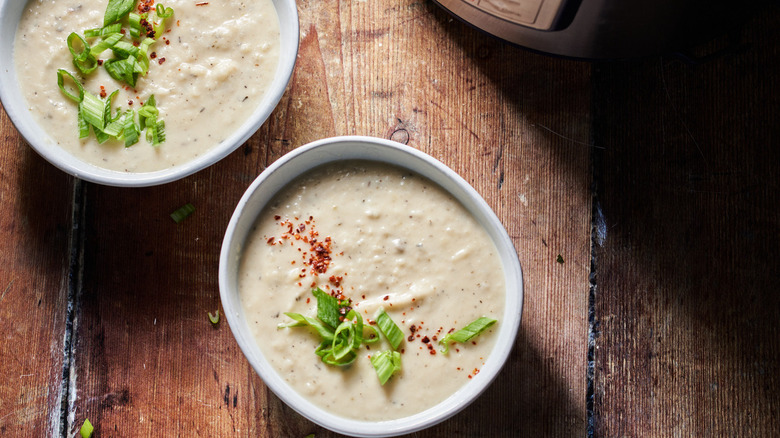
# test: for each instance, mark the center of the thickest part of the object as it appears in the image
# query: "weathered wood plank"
(35, 210)
(687, 271)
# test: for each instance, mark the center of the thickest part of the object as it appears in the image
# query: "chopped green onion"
(341, 338)
(327, 308)
(117, 9)
(388, 328)
(130, 130)
(123, 49)
(372, 337)
(326, 353)
(122, 70)
(61, 83)
(102, 31)
(131, 59)
(214, 318)
(86, 429)
(345, 340)
(163, 14)
(82, 125)
(465, 334)
(94, 109)
(182, 212)
(83, 60)
(386, 363)
(134, 21)
(325, 332)
(107, 43)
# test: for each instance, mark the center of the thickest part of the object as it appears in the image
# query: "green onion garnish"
(116, 10)
(109, 42)
(466, 333)
(388, 328)
(326, 333)
(94, 110)
(340, 328)
(327, 308)
(61, 83)
(83, 60)
(214, 318)
(386, 363)
(86, 429)
(182, 212)
(130, 60)
(130, 130)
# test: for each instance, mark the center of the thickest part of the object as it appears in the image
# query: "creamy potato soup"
(208, 74)
(382, 237)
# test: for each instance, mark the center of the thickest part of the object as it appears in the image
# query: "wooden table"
(656, 181)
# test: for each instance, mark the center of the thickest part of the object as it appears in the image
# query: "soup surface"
(383, 237)
(209, 73)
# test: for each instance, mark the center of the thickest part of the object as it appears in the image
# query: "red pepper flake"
(308, 300)
(145, 6)
(147, 25)
(201, 4)
(160, 61)
(386, 297)
(102, 92)
(270, 240)
(100, 62)
(425, 340)
(130, 102)
(153, 55)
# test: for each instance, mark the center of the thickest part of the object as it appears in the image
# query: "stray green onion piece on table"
(214, 318)
(86, 429)
(473, 329)
(130, 60)
(182, 212)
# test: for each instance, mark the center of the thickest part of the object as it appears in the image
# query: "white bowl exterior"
(320, 152)
(16, 106)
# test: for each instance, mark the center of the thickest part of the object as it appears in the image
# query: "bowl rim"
(16, 107)
(323, 151)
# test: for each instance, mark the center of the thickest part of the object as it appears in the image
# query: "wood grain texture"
(687, 271)
(35, 210)
(513, 123)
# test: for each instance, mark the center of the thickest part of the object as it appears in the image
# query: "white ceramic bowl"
(15, 106)
(303, 159)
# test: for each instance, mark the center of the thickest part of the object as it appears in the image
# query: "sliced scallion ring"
(61, 74)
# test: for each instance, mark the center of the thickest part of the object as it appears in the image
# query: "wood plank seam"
(75, 276)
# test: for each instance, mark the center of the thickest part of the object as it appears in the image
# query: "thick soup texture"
(209, 73)
(383, 237)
